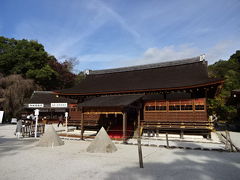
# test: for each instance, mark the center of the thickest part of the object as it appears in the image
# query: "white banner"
(35, 105)
(1, 116)
(59, 105)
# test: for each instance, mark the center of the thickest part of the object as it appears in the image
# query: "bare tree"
(15, 90)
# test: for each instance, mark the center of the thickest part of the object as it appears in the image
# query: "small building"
(49, 104)
(169, 96)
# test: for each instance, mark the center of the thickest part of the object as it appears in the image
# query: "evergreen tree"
(230, 71)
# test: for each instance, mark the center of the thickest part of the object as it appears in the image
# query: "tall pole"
(82, 124)
(167, 140)
(124, 127)
(139, 142)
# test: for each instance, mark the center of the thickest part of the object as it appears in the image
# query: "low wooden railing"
(29, 130)
(91, 123)
(177, 125)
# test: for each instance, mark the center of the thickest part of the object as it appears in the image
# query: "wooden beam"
(102, 112)
(181, 134)
(139, 142)
(82, 125)
(124, 126)
(167, 140)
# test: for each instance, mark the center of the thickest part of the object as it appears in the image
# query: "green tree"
(81, 76)
(29, 59)
(20, 56)
(64, 78)
(230, 71)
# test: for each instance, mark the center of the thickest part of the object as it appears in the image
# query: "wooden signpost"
(167, 140)
(139, 142)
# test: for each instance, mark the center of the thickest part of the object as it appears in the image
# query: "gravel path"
(21, 159)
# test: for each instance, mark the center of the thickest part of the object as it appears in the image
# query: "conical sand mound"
(50, 138)
(102, 143)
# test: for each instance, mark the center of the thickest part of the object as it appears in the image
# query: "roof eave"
(220, 82)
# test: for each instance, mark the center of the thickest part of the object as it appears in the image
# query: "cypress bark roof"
(160, 76)
(147, 66)
(47, 97)
(111, 101)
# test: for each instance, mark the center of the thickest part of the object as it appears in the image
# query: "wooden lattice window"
(161, 105)
(199, 104)
(150, 108)
(186, 105)
(174, 106)
(156, 106)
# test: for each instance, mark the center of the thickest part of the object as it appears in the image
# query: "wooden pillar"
(167, 140)
(228, 139)
(82, 125)
(124, 126)
(181, 134)
(139, 142)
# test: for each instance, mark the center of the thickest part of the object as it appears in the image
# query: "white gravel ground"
(235, 137)
(189, 141)
(21, 159)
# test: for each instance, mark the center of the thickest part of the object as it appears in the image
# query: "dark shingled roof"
(111, 101)
(47, 97)
(147, 66)
(160, 76)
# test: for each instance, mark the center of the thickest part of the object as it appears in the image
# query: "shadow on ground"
(186, 164)
(10, 146)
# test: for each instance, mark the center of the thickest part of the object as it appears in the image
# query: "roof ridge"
(150, 66)
(44, 92)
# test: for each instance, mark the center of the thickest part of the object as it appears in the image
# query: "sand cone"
(102, 143)
(50, 138)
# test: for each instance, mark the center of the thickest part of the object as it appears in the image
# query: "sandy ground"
(189, 141)
(235, 137)
(21, 159)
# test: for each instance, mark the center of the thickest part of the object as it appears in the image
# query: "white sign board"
(59, 105)
(1, 116)
(35, 105)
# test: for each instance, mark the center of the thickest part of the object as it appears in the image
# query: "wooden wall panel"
(75, 115)
(110, 109)
(91, 117)
(177, 115)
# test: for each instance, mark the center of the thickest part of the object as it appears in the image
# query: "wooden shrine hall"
(169, 96)
(50, 105)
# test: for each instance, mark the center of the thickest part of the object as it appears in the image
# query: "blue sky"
(114, 33)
